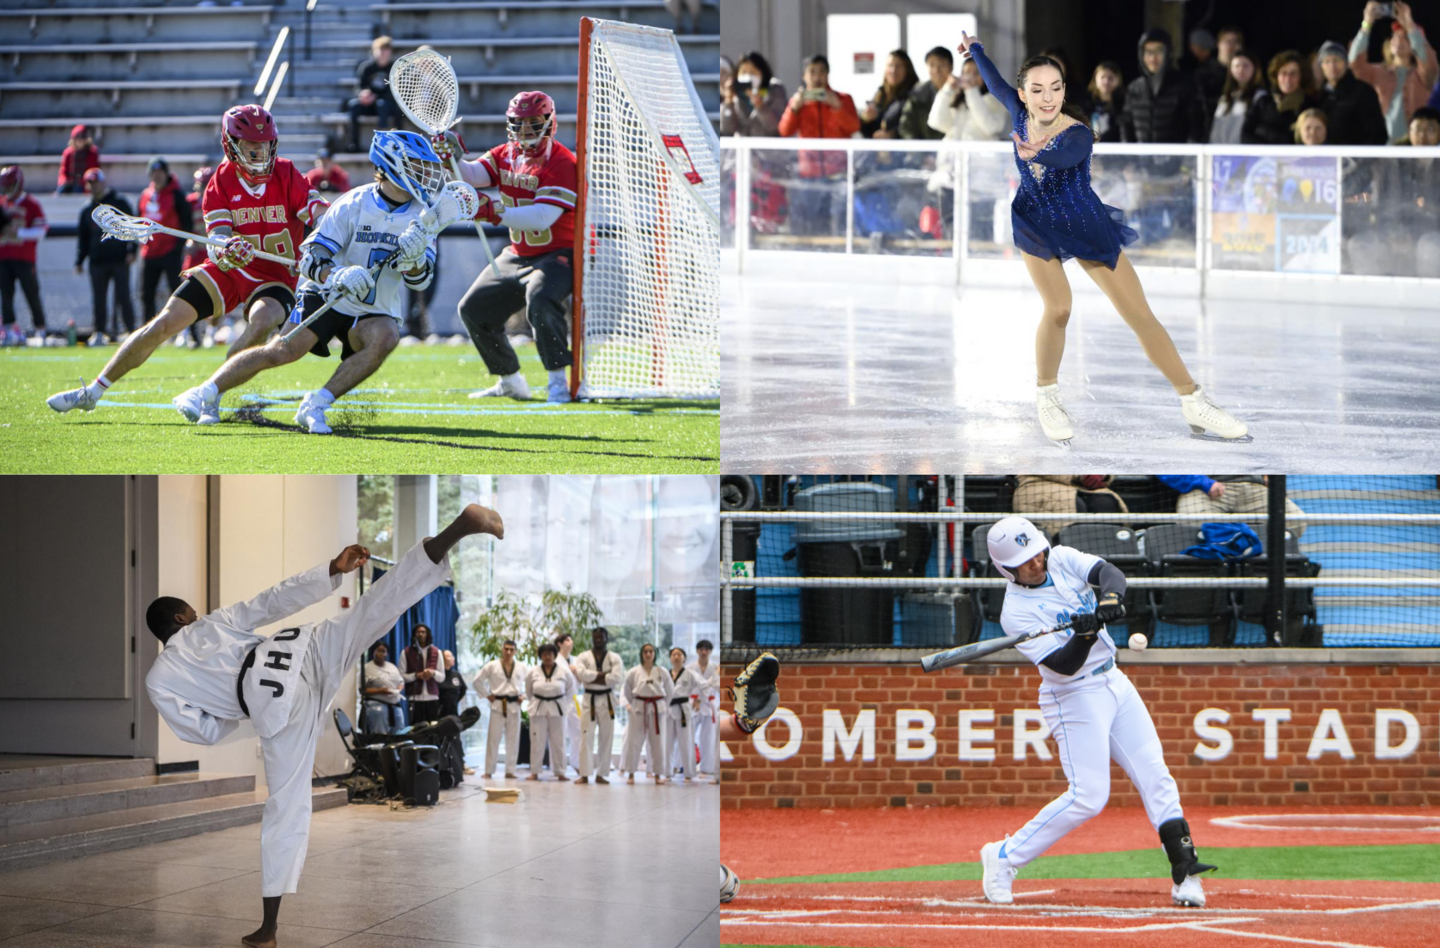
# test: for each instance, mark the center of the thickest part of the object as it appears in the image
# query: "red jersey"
(273, 220)
(537, 180)
(28, 214)
(336, 179)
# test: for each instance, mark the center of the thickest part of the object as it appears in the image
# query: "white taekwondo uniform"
(504, 694)
(684, 702)
(572, 715)
(648, 694)
(707, 733)
(549, 695)
(1095, 715)
(287, 689)
(597, 709)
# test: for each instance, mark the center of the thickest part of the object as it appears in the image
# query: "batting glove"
(1086, 623)
(448, 145)
(1109, 609)
(488, 212)
(754, 693)
(412, 242)
(354, 282)
(238, 252)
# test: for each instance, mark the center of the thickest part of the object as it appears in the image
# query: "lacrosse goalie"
(255, 201)
(346, 262)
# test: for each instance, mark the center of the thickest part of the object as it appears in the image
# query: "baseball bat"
(968, 653)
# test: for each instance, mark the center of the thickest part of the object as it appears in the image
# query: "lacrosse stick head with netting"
(122, 226)
(407, 160)
(457, 202)
(424, 84)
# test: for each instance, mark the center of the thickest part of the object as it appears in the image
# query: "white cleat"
(1209, 421)
(1188, 894)
(559, 393)
(75, 398)
(518, 389)
(311, 417)
(196, 408)
(997, 874)
(1054, 419)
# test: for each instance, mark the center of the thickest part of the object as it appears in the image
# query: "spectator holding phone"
(818, 111)
(754, 102)
(1403, 80)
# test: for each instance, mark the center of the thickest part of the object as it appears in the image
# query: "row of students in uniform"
(572, 700)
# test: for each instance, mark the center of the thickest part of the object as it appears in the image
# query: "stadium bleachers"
(116, 24)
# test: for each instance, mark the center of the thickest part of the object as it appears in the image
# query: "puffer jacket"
(1163, 108)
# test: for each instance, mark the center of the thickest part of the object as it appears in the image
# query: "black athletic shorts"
(200, 296)
(333, 325)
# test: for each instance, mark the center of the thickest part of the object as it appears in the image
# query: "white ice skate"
(1053, 417)
(1209, 421)
(997, 874)
(1188, 894)
(517, 389)
(311, 417)
(75, 398)
(196, 408)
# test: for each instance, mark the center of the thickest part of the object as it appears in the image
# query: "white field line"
(928, 900)
(1356, 898)
(1264, 935)
(1239, 822)
(1122, 912)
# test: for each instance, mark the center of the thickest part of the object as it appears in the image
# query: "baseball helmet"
(250, 125)
(1012, 541)
(12, 181)
(530, 122)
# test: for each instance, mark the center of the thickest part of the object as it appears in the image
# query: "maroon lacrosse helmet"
(242, 128)
(202, 177)
(530, 122)
(12, 181)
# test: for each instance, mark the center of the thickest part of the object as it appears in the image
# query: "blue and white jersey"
(360, 229)
(1066, 593)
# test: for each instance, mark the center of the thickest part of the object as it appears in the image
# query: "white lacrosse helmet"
(1012, 541)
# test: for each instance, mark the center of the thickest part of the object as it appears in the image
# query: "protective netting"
(425, 86)
(887, 561)
(648, 244)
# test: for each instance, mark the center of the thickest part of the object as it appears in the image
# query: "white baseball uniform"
(707, 733)
(549, 694)
(504, 693)
(597, 709)
(1094, 715)
(286, 690)
(648, 694)
(680, 748)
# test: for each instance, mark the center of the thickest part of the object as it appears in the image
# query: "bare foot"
(483, 520)
(659, 779)
(533, 777)
(599, 780)
(582, 779)
(565, 778)
(630, 779)
(259, 939)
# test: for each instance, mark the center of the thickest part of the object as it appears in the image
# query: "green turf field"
(412, 416)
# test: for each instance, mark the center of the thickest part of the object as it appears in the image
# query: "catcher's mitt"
(754, 693)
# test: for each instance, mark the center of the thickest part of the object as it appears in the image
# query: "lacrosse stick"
(457, 201)
(429, 94)
(124, 227)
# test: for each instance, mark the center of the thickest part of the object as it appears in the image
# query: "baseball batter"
(1094, 712)
(215, 670)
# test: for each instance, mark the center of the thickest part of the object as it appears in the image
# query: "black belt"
(505, 708)
(682, 702)
(240, 679)
(608, 700)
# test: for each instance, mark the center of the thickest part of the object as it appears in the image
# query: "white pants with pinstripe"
(1096, 720)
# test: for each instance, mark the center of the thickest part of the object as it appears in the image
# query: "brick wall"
(1241, 776)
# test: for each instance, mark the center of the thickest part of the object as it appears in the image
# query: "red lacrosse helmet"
(243, 128)
(12, 181)
(530, 122)
(202, 177)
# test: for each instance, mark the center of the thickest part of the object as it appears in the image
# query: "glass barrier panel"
(1275, 214)
(729, 160)
(904, 203)
(797, 199)
(1391, 216)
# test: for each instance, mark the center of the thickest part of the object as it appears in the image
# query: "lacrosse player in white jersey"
(339, 258)
(1094, 712)
(215, 670)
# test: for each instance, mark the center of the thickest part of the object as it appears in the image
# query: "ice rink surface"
(852, 378)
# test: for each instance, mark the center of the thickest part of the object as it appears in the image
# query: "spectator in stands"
(1229, 494)
(1066, 493)
(1312, 127)
(110, 260)
(1403, 80)
(1229, 41)
(881, 118)
(818, 111)
(1161, 105)
(164, 202)
(22, 226)
(754, 102)
(1351, 106)
(964, 109)
(1271, 120)
(692, 6)
(1242, 89)
(420, 664)
(382, 684)
(1208, 73)
(1107, 101)
(915, 113)
(78, 157)
(452, 686)
(372, 90)
(327, 177)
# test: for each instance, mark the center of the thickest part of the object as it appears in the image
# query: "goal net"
(647, 235)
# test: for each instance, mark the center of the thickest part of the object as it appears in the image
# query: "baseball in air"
(1138, 642)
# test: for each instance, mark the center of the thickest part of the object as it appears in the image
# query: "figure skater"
(1057, 216)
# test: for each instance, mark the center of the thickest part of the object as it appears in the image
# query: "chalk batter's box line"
(1237, 822)
(1075, 910)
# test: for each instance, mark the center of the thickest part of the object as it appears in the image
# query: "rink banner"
(1277, 215)
(850, 735)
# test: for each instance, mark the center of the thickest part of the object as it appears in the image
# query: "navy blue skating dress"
(1056, 213)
